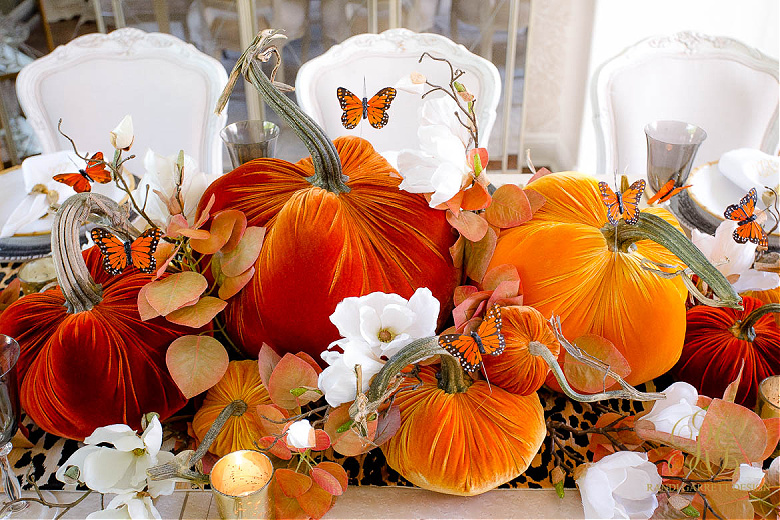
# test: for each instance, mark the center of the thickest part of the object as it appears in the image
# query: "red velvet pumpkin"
(102, 366)
(718, 340)
(323, 245)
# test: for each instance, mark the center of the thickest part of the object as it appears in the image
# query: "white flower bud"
(122, 136)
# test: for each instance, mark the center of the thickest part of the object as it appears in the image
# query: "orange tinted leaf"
(475, 198)
(196, 363)
(337, 471)
(243, 256)
(204, 215)
(326, 481)
(284, 506)
(291, 372)
(310, 360)
(230, 285)
(316, 501)
(291, 483)
(730, 394)
(469, 224)
(535, 198)
(729, 502)
(457, 250)
(321, 440)
(275, 447)
(198, 315)
(500, 273)
(347, 443)
(462, 292)
(469, 307)
(591, 380)
(165, 261)
(732, 434)
(145, 310)
(175, 291)
(270, 417)
(541, 172)
(389, 423)
(772, 434)
(223, 226)
(510, 207)
(267, 359)
(479, 254)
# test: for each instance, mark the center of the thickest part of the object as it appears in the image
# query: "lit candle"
(239, 483)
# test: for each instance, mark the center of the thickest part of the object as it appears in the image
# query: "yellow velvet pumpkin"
(240, 382)
(464, 443)
(567, 267)
(766, 296)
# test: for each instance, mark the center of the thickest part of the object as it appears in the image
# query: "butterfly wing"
(752, 232)
(113, 249)
(142, 250)
(464, 348)
(490, 332)
(378, 105)
(664, 193)
(743, 210)
(675, 192)
(631, 198)
(610, 200)
(75, 180)
(96, 170)
(352, 107)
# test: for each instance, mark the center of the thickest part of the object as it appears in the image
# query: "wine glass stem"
(10, 483)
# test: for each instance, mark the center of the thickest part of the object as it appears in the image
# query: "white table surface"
(381, 503)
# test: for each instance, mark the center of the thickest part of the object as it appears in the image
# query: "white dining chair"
(382, 60)
(719, 84)
(168, 86)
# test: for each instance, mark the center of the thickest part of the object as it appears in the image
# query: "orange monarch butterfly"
(625, 205)
(469, 348)
(748, 228)
(667, 191)
(96, 171)
(117, 255)
(374, 109)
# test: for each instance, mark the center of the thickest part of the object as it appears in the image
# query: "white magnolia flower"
(748, 477)
(621, 485)
(733, 258)
(122, 136)
(373, 328)
(439, 167)
(300, 434)
(678, 414)
(128, 506)
(120, 469)
(160, 176)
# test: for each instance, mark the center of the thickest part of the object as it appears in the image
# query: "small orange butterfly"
(748, 229)
(95, 171)
(117, 255)
(622, 205)
(469, 348)
(667, 191)
(374, 109)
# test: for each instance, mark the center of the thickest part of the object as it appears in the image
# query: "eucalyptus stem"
(653, 227)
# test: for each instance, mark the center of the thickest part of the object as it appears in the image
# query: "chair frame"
(395, 41)
(128, 43)
(690, 45)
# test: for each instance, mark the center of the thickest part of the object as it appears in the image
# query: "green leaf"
(690, 511)
(196, 363)
(559, 489)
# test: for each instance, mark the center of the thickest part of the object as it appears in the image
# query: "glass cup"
(239, 484)
(247, 140)
(671, 147)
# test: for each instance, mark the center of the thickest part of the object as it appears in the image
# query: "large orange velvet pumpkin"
(92, 368)
(568, 268)
(241, 382)
(718, 341)
(464, 443)
(324, 244)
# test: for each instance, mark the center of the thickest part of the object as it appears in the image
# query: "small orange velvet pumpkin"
(241, 382)
(568, 268)
(516, 370)
(464, 443)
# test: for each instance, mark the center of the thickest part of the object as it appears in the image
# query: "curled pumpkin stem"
(653, 227)
(325, 158)
(628, 392)
(745, 329)
(80, 290)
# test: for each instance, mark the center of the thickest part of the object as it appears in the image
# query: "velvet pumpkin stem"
(325, 158)
(653, 227)
(745, 329)
(80, 290)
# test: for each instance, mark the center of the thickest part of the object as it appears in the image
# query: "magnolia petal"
(152, 437)
(109, 434)
(77, 459)
(122, 136)
(105, 468)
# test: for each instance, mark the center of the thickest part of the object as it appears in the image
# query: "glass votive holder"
(239, 483)
(247, 140)
(37, 274)
(671, 147)
(768, 401)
